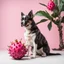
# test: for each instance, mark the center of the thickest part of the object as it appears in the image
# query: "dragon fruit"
(17, 50)
(51, 5)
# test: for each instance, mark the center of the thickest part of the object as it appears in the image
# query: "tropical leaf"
(49, 26)
(43, 20)
(62, 1)
(62, 8)
(43, 4)
(57, 8)
(61, 5)
(44, 13)
(57, 22)
(55, 14)
(56, 2)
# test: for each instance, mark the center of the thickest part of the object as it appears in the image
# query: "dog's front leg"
(29, 52)
(34, 50)
(26, 44)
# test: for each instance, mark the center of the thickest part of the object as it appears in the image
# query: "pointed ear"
(30, 14)
(22, 14)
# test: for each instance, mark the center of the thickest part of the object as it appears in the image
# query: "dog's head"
(27, 20)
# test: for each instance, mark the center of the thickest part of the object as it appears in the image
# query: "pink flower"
(51, 5)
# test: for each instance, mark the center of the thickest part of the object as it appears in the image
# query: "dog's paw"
(33, 56)
(43, 55)
(29, 58)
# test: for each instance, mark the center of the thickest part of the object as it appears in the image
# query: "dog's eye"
(22, 19)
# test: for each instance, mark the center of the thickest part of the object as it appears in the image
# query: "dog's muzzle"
(22, 24)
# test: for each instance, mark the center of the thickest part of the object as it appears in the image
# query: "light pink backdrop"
(10, 27)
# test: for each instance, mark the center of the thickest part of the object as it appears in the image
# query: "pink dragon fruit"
(51, 5)
(17, 50)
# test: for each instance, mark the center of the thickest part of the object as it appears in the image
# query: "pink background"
(10, 19)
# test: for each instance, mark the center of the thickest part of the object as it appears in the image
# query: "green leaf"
(57, 22)
(55, 14)
(62, 1)
(50, 25)
(43, 20)
(62, 21)
(61, 6)
(56, 8)
(56, 2)
(44, 13)
(42, 4)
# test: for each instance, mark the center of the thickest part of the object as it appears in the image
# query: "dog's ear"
(30, 14)
(22, 14)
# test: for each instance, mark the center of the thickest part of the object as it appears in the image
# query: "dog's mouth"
(24, 24)
(27, 24)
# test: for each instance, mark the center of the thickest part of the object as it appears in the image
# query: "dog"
(35, 40)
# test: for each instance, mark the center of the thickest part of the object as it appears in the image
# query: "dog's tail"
(52, 54)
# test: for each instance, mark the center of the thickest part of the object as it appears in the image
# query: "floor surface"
(6, 59)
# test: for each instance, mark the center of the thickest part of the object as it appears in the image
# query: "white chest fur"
(30, 38)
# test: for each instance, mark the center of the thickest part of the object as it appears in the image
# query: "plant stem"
(60, 37)
(60, 32)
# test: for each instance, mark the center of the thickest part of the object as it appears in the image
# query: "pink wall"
(10, 28)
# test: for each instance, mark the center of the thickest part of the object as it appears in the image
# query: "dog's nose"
(21, 23)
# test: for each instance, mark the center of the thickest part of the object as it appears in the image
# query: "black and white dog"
(34, 37)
